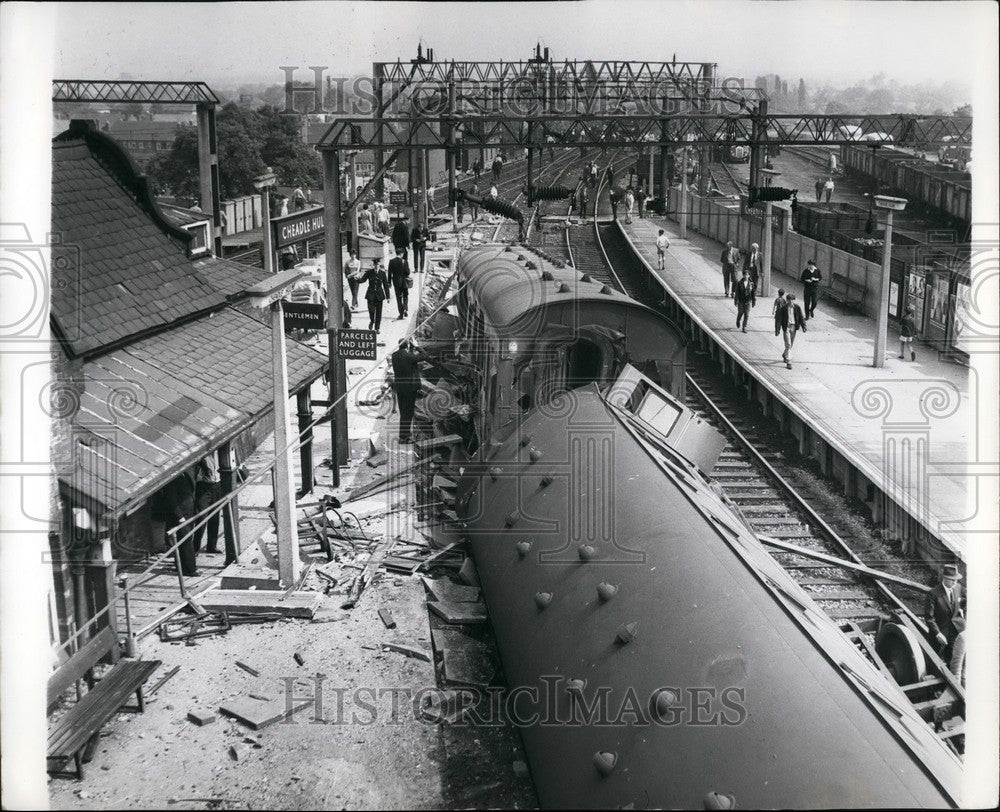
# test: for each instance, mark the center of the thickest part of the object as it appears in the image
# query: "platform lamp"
(890, 204)
(263, 183)
(268, 293)
(765, 276)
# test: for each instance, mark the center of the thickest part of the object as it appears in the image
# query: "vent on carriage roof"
(606, 290)
(547, 276)
(564, 288)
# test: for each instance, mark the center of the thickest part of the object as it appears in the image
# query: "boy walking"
(745, 296)
(662, 244)
(729, 257)
(907, 331)
(790, 319)
(811, 277)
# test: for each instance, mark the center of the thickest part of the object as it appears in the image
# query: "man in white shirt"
(828, 188)
(383, 220)
(662, 244)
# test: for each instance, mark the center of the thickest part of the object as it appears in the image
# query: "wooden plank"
(457, 640)
(257, 715)
(297, 604)
(79, 664)
(379, 481)
(438, 442)
(441, 589)
(454, 547)
(840, 562)
(458, 613)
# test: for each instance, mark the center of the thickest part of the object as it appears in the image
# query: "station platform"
(908, 428)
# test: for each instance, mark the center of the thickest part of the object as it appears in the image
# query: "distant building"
(143, 139)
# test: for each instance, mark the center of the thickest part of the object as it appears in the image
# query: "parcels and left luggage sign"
(357, 345)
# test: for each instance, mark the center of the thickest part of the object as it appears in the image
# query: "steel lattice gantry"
(441, 132)
(199, 94)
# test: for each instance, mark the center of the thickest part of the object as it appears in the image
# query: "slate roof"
(227, 276)
(151, 409)
(123, 274)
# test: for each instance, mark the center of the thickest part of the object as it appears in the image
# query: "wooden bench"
(70, 735)
(848, 291)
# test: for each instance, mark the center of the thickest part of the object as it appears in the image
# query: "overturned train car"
(656, 656)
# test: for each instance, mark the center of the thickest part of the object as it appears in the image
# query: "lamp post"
(268, 294)
(263, 183)
(890, 204)
(765, 278)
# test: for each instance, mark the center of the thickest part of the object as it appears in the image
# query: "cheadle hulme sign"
(293, 228)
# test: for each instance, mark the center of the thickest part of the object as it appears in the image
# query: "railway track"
(827, 544)
(725, 180)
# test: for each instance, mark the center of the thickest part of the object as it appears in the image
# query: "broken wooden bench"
(71, 733)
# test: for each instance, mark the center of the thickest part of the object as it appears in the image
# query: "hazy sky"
(228, 43)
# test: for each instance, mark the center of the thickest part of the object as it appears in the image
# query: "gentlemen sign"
(304, 316)
(398, 198)
(357, 345)
(292, 228)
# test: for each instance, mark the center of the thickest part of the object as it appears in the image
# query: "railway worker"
(810, 279)
(581, 201)
(399, 275)
(629, 204)
(828, 188)
(477, 167)
(418, 239)
(642, 197)
(790, 319)
(907, 331)
(497, 168)
(406, 384)
(662, 244)
(593, 173)
(171, 505)
(944, 611)
(609, 175)
(730, 256)
(614, 199)
(745, 296)
(365, 222)
(354, 277)
(401, 237)
(376, 294)
(819, 190)
(752, 263)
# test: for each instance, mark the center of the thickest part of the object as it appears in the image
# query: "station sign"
(357, 345)
(293, 228)
(304, 316)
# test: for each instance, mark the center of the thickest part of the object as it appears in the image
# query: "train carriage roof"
(820, 727)
(508, 290)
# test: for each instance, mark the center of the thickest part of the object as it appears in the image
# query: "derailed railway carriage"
(661, 658)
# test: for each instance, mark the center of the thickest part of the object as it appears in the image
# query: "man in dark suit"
(399, 275)
(944, 610)
(745, 296)
(406, 384)
(400, 238)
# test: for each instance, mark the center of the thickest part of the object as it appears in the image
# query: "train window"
(659, 413)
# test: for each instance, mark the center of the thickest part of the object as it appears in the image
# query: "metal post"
(284, 503)
(531, 155)
(353, 181)
(683, 208)
(230, 511)
(882, 319)
(172, 542)
(304, 404)
(450, 156)
(649, 188)
(426, 182)
(378, 79)
(335, 313)
(765, 281)
(265, 202)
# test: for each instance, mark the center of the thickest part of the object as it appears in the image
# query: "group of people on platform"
(382, 284)
(629, 198)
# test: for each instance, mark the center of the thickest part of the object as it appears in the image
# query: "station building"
(157, 362)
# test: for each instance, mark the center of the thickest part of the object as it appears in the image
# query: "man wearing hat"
(944, 610)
